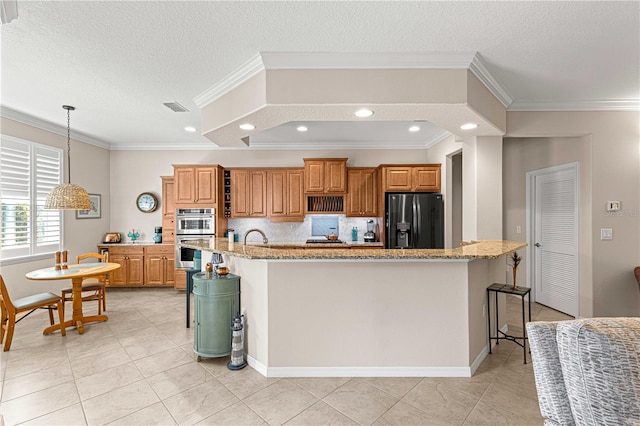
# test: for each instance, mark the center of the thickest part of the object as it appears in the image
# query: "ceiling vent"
(175, 107)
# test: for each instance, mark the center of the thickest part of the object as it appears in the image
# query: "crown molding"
(479, 69)
(48, 126)
(592, 105)
(353, 60)
(247, 70)
(206, 146)
(437, 137)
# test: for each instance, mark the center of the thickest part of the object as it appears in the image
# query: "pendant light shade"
(68, 196)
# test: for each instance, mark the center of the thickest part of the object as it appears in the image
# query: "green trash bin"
(217, 300)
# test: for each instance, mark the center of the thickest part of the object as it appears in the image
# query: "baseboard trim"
(361, 371)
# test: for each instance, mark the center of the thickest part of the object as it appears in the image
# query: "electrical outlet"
(606, 234)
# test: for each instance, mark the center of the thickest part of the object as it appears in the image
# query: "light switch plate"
(606, 234)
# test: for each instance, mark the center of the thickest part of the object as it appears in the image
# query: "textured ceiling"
(118, 62)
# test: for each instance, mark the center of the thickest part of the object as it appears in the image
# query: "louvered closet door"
(556, 241)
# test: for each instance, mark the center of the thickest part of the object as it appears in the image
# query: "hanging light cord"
(69, 109)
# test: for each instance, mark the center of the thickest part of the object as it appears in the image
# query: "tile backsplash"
(296, 231)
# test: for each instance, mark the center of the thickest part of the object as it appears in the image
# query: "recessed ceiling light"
(364, 113)
(468, 126)
(247, 126)
(302, 128)
(414, 128)
(190, 129)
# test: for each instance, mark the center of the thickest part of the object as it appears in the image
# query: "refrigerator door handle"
(417, 217)
(416, 222)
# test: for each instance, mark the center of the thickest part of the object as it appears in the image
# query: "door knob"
(538, 245)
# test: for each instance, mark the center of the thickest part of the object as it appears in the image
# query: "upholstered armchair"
(587, 371)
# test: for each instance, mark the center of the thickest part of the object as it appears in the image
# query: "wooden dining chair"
(95, 286)
(9, 311)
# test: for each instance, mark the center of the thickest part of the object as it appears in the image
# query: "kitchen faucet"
(265, 240)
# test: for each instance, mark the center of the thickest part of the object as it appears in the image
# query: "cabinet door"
(185, 184)
(135, 270)
(361, 197)
(258, 191)
(354, 198)
(398, 179)
(206, 185)
(295, 194)
(277, 193)
(285, 193)
(169, 271)
(154, 269)
(248, 193)
(335, 176)
(119, 276)
(180, 279)
(240, 203)
(426, 179)
(168, 209)
(314, 176)
(369, 193)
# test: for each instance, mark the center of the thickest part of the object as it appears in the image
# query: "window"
(28, 172)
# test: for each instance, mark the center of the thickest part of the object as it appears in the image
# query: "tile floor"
(138, 368)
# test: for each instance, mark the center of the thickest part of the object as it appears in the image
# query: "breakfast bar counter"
(364, 311)
(291, 250)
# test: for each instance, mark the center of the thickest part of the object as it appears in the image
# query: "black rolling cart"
(508, 289)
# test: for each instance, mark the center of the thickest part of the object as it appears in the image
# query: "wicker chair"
(95, 286)
(9, 311)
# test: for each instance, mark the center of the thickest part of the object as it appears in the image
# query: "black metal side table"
(508, 289)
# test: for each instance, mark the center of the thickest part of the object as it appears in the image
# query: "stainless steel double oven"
(191, 225)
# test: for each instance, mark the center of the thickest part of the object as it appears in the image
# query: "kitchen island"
(364, 311)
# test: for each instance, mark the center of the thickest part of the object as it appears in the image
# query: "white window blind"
(28, 172)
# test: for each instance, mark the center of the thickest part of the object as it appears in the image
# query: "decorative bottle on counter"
(354, 234)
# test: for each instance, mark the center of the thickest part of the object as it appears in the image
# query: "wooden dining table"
(76, 273)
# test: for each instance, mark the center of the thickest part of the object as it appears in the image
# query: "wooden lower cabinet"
(142, 265)
(181, 279)
(131, 271)
(159, 265)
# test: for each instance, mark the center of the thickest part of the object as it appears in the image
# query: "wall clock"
(147, 202)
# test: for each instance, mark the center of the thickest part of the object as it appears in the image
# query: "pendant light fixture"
(68, 196)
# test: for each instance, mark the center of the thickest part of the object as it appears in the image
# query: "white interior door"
(555, 238)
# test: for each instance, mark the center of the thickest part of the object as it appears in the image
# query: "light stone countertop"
(302, 251)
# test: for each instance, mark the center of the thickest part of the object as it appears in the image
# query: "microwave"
(195, 222)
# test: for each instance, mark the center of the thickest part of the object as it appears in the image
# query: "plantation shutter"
(28, 172)
(48, 170)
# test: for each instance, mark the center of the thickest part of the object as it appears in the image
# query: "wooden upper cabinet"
(168, 209)
(285, 194)
(248, 193)
(196, 185)
(325, 175)
(363, 192)
(427, 178)
(411, 178)
(398, 179)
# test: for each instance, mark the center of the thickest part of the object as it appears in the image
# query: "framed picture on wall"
(94, 212)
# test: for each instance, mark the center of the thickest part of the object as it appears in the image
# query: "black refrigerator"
(414, 220)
